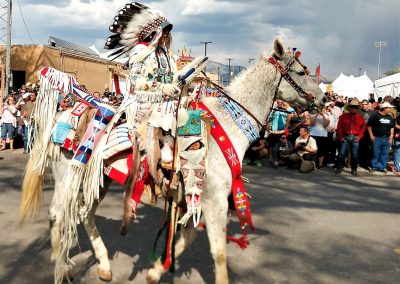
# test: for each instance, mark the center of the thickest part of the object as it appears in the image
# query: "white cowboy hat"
(385, 105)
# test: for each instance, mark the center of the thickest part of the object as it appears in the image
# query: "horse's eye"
(301, 73)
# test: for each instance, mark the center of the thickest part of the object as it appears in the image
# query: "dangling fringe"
(52, 82)
(93, 178)
(153, 255)
(192, 211)
(168, 255)
(42, 125)
(54, 152)
(242, 242)
(69, 215)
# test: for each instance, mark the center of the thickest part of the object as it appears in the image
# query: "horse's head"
(296, 87)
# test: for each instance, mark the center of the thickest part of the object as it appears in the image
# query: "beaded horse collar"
(240, 118)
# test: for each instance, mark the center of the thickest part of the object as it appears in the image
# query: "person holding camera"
(8, 122)
(281, 151)
(305, 149)
(319, 123)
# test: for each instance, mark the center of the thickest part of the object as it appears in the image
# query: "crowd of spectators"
(15, 114)
(345, 133)
(16, 110)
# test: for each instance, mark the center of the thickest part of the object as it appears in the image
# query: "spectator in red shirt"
(350, 130)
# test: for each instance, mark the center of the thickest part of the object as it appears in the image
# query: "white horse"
(255, 90)
(32, 187)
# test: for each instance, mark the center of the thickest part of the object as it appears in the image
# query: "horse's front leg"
(100, 250)
(215, 210)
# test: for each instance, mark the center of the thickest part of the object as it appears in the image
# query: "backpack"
(306, 166)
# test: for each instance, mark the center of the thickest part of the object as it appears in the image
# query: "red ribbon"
(241, 201)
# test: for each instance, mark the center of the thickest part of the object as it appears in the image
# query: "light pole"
(205, 51)
(205, 46)
(380, 44)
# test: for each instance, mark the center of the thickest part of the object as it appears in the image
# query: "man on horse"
(156, 96)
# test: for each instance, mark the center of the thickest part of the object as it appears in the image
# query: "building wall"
(28, 58)
(94, 73)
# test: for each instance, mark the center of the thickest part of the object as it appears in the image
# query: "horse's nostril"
(324, 100)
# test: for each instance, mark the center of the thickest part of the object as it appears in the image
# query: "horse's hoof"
(123, 231)
(150, 280)
(105, 275)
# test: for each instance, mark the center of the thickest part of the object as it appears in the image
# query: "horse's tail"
(32, 188)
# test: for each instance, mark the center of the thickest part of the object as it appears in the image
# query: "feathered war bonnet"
(133, 24)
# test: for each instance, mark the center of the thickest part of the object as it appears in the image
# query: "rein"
(284, 74)
(220, 89)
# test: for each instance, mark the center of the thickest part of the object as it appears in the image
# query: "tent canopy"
(388, 86)
(353, 87)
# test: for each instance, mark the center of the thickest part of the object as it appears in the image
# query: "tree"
(393, 71)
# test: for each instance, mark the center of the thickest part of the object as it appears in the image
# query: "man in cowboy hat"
(350, 130)
(381, 129)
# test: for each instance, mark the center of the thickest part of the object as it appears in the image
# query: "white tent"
(353, 87)
(388, 86)
(323, 86)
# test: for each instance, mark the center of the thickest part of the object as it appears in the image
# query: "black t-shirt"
(381, 124)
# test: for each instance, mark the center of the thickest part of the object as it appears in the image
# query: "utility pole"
(5, 37)
(229, 69)
(219, 83)
(380, 44)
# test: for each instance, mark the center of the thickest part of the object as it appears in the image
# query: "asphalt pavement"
(310, 228)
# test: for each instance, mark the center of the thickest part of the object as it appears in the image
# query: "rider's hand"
(170, 89)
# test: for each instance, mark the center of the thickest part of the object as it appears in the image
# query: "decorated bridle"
(284, 71)
(285, 75)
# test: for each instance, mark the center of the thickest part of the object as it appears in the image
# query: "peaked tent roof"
(350, 86)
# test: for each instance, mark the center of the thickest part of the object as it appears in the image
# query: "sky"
(339, 35)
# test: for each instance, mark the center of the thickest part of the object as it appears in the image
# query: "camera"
(301, 146)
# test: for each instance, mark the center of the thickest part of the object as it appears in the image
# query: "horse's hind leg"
(187, 236)
(100, 251)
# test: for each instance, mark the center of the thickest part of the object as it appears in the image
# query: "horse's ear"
(278, 48)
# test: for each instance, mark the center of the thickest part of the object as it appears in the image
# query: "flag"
(318, 72)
